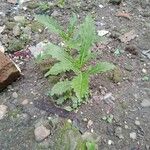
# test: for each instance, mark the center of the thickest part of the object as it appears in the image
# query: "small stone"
(16, 30)
(100, 6)
(55, 13)
(137, 122)
(19, 18)
(102, 32)
(144, 71)
(145, 103)
(118, 132)
(85, 119)
(2, 28)
(3, 111)
(89, 124)
(110, 142)
(25, 102)
(126, 127)
(12, 1)
(147, 147)
(2, 49)
(41, 133)
(15, 95)
(133, 135)
(69, 120)
(36, 50)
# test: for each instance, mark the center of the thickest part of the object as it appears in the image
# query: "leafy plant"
(79, 40)
(44, 6)
(61, 3)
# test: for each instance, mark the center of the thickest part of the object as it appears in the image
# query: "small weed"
(44, 6)
(73, 59)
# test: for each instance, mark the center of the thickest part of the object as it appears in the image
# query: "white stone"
(137, 122)
(2, 49)
(38, 49)
(133, 135)
(2, 28)
(3, 111)
(101, 6)
(102, 32)
(145, 103)
(15, 95)
(144, 70)
(110, 142)
(41, 133)
(25, 102)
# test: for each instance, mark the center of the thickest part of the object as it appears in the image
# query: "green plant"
(79, 40)
(61, 3)
(44, 6)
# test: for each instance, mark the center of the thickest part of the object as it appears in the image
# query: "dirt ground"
(119, 107)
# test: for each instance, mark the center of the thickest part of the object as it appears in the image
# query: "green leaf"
(72, 25)
(50, 23)
(80, 84)
(58, 68)
(61, 87)
(61, 55)
(101, 67)
(68, 108)
(88, 36)
(90, 145)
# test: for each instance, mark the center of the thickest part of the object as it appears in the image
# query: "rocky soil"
(117, 115)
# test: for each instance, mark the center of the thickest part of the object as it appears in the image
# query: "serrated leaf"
(88, 36)
(61, 87)
(72, 24)
(101, 67)
(80, 84)
(90, 145)
(68, 108)
(50, 23)
(58, 68)
(61, 55)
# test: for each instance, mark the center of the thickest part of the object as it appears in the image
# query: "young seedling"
(80, 39)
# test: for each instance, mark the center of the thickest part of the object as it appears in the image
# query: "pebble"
(145, 103)
(41, 133)
(100, 6)
(16, 30)
(25, 102)
(126, 127)
(2, 28)
(118, 132)
(133, 135)
(85, 119)
(144, 71)
(102, 32)
(15, 95)
(12, 1)
(137, 122)
(89, 124)
(110, 142)
(2, 49)
(3, 111)
(19, 18)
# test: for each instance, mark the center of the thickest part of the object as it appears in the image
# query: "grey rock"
(15, 95)
(3, 111)
(16, 30)
(133, 135)
(118, 132)
(41, 133)
(145, 103)
(19, 18)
